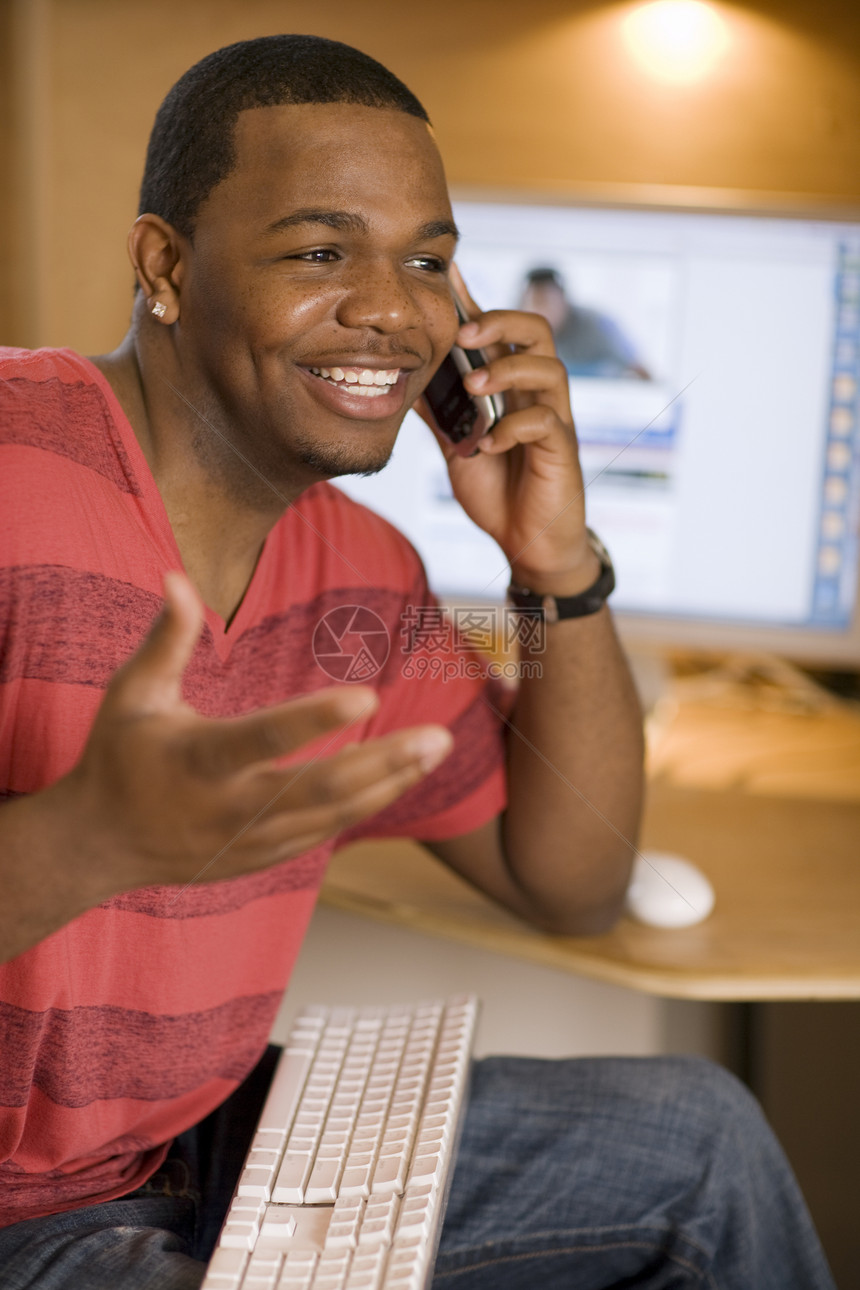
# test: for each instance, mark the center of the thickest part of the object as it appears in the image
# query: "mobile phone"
(463, 418)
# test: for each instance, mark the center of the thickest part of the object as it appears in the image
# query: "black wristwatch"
(587, 602)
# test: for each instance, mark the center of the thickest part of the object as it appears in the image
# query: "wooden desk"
(766, 802)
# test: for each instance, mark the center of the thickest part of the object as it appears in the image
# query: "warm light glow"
(676, 40)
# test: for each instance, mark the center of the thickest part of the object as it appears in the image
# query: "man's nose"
(380, 297)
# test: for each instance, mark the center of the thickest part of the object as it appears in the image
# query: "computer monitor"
(714, 358)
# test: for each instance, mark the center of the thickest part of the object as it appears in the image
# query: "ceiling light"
(676, 40)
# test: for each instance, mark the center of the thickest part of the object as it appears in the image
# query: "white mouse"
(667, 891)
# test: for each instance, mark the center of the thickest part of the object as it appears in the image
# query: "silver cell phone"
(463, 418)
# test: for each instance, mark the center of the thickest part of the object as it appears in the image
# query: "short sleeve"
(431, 675)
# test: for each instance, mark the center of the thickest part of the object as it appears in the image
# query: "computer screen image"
(713, 360)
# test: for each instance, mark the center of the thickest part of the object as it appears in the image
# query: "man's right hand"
(168, 796)
(163, 795)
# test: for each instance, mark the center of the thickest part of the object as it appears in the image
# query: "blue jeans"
(658, 1173)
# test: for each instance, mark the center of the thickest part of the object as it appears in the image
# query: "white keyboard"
(345, 1183)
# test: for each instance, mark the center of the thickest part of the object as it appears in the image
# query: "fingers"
(219, 748)
(538, 424)
(522, 360)
(318, 799)
(284, 813)
(152, 678)
(515, 327)
(526, 374)
(524, 371)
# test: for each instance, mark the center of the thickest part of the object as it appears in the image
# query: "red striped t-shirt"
(136, 1019)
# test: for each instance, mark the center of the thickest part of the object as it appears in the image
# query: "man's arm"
(561, 854)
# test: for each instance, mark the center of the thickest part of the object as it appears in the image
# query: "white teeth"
(367, 381)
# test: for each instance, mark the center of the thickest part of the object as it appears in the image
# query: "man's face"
(547, 299)
(318, 272)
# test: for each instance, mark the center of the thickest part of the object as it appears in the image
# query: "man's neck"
(219, 533)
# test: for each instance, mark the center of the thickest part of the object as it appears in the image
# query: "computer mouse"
(668, 891)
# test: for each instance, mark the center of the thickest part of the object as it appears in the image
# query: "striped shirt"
(136, 1019)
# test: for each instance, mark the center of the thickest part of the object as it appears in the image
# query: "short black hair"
(544, 276)
(191, 148)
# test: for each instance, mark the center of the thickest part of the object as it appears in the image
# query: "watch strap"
(556, 608)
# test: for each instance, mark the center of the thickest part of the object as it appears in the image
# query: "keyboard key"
(356, 1181)
(298, 1270)
(366, 1269)
(256, 1182)
(389, 1175)
(416, 1216)
(263, 1159)
(239, 1236)
(379, 1219)
(292, 1176)
(332, 1270)
(278, 1227)
(225, 1269)
(426, 1168)
(269, 1140)
(286, 1090)
(323, 1180)
(263, 1261)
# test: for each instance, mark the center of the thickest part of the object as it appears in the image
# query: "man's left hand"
(524, 486)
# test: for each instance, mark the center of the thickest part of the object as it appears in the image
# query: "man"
(588, 342)
(175, 789)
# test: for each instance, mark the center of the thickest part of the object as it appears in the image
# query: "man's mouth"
(366, 382)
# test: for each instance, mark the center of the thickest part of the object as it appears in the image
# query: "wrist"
(78, 836)
(565, 582)
(576, 593)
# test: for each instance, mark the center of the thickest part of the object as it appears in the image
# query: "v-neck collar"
(156, 522)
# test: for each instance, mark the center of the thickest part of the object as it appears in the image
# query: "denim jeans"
(658, 1173)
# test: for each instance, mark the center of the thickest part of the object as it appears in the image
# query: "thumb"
(152, 678)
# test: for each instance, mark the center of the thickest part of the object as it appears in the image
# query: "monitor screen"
(713, 359)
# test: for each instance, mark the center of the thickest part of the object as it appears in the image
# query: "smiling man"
(178, 767)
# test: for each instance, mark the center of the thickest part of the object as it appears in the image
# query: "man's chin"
(332, 460)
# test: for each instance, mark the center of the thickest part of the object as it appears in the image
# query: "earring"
(158, 309)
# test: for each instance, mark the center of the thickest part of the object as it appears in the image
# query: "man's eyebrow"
(343, 221)
(439, 228)
(350, 222)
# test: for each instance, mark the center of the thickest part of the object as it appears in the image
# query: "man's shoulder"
(56, 403)
(42, 378)
(40, 365)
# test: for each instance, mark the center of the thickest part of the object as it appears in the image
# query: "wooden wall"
(540, 95)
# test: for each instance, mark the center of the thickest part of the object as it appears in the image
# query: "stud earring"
(158, 309)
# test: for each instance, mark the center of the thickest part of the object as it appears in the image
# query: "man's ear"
(156, 250)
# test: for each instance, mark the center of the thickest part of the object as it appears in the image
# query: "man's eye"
(320, 255)
(429, 263)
